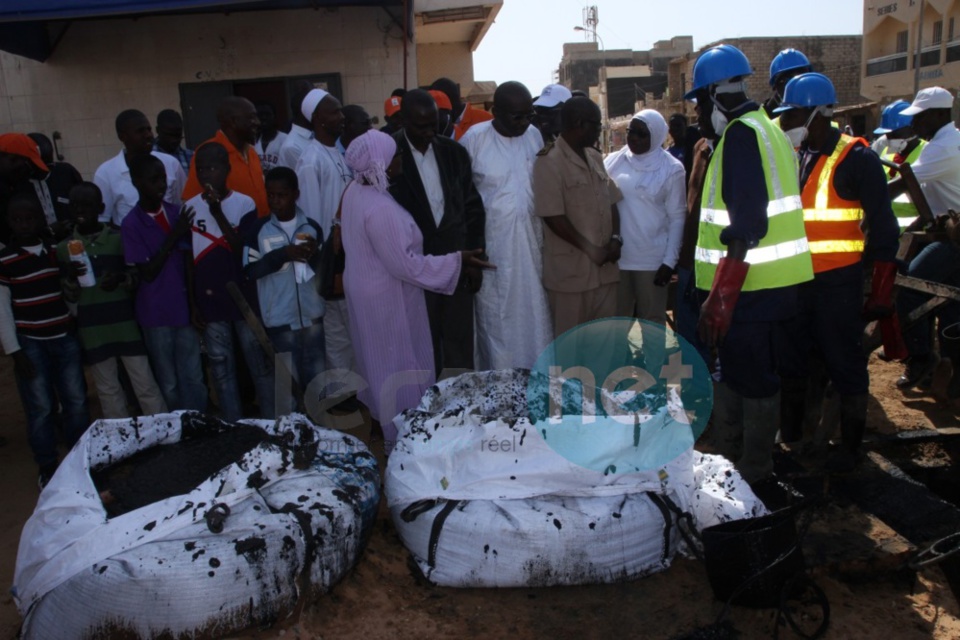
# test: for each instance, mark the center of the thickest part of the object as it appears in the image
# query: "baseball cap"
(20, 144)
(391, 106)
(552, 95)
(929, 98)
(443, 102)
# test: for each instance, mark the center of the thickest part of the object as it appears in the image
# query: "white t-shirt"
(293, 146)
(206, 233)
(119, 194)
(289, 227)
(938, 170)
(270, 157)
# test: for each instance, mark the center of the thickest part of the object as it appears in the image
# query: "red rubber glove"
(716, 313)
(893, 345)
(879, 304)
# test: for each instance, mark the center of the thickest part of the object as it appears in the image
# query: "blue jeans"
(175, 358)
(218, 338)
(939, 262)
(59, 371)
(306, 349)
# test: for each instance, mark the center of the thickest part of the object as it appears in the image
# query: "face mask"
(719, 120)
(897, 145)
(797, 135)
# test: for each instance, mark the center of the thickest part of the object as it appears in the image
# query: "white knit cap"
(310, 102)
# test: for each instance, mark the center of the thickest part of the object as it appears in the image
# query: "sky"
(525, 42)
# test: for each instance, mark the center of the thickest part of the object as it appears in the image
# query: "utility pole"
(917, 64)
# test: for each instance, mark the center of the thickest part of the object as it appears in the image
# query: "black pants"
(451, 327)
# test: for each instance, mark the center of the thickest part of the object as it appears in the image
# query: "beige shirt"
(563, 184)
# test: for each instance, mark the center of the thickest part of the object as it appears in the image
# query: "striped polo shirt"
(36, 296)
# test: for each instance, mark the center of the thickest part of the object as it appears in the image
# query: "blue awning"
(32, 28)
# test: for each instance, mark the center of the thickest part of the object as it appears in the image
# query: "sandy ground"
(382, 598)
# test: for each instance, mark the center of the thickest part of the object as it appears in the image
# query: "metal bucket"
(751, 560)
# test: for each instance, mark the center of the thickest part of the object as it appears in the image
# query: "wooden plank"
(926, 286)
(913, 436)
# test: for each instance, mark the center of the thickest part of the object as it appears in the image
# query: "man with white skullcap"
(323, 175)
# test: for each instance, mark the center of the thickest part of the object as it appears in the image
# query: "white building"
(72, 67)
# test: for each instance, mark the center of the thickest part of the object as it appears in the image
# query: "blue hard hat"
(788, 60)
(717, 64)
(806, 91)
(892, 118)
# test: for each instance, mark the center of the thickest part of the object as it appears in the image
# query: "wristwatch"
(618, 238)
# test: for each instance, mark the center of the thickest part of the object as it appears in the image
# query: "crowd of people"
(366, 264)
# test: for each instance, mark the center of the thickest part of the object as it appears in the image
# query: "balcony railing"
(953, 50)
(929, 56)
(887, 64)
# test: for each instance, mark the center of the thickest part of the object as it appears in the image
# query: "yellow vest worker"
(751, 254)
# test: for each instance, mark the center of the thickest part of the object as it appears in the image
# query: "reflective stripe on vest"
(832, 223)
(903, 207)
(782, 257)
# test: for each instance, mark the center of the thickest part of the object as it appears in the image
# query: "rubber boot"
(853, 423)
(761, 421)
(726, 426)
(793, 401)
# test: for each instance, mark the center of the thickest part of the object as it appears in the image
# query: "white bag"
(161, 569)
(520, 514)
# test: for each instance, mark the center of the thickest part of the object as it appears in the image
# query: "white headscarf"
(653, 159)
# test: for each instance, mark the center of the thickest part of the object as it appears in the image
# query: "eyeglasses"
(519, 116)
(640, 133)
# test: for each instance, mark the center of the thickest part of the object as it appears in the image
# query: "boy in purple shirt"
(217, 250)
(154, 237)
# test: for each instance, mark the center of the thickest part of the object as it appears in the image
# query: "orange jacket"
(246, 174)
(832, 223)
(471, 116)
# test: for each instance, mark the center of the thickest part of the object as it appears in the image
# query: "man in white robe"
(512, 315)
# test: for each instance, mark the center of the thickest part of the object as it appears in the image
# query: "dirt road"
(381, 598)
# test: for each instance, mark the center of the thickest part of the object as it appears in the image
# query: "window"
(950, 30)
(938, 32)
(901, 42)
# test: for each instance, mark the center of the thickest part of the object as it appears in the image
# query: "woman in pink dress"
(384, 278)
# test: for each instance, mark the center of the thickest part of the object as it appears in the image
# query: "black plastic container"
(763, 548)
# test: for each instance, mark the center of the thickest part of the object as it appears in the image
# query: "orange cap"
(20, 144)
(443, 102)
(391, 106)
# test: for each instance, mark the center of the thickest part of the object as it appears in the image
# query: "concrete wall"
(104, 66)
(447, 60)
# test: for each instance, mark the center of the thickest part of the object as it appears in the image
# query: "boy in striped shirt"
(37, 331)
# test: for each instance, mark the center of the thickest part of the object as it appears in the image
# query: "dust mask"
(798, 135)
(897, 145)
(718, 118)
